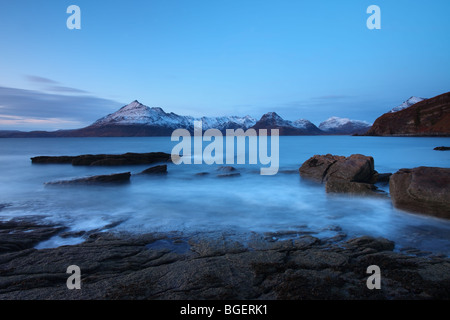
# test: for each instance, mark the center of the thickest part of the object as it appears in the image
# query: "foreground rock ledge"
(126, 267)
(423, 189)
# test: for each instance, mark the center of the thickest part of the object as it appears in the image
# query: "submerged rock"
(226, 169)
(100, 179)
(344, 186)
(229, 175)
(442, 148)
(156, 170)
(423, 189)
(229, 172)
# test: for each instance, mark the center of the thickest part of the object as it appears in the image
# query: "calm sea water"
(186, 202)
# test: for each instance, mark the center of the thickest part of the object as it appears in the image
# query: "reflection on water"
(184, 201)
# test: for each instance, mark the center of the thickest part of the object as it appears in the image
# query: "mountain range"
(415, 116)
(136, 119)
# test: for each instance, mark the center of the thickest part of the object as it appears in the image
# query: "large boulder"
(356, 168)
(316, 167)
(353, 175)
(321, 168)
(423, 189)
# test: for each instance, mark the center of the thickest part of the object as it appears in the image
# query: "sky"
(300, 58)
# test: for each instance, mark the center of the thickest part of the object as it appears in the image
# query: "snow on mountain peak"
(136, 113)
(408, 103)
(335, 123)
(301, 123)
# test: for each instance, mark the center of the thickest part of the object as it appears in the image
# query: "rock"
(229, 172)
(202, 173)
(106, 159)
(379, 244)
(357, 188)
(156, 170)
(316, 167)
(357, 168)
(316, 259)
(321, 168)
(147, 267)
(383, 177)
(47, 159)
(229, 175)
(442, 148)
(101, 179)
(423, 189)
(353, 175)
(226, 169)
(21, 234)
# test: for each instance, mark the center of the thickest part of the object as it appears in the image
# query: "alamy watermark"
(74, 20)
(214, 153)
(374, 281)
(74, 281)
(374, 21)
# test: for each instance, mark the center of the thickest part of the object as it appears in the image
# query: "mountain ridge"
(137, 119)
(429, 117)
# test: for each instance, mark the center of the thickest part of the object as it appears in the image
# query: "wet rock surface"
(423, 189)
(162, 169)
(351, 175)
(442, 148)
(213, 266)
(100, 179)
(105, 159)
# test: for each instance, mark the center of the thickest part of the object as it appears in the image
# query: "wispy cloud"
(7, 120)
(37, 79)
(50, 85)
(29, 109)
(63, 89)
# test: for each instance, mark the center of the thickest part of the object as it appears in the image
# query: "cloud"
(37, 79)
(50, 85)
(63, 89)
(29, 109)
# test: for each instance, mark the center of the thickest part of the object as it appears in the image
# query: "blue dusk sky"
(300, 58)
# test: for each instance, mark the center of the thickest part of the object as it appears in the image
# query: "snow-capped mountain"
(336, 125)
(272, 120)
(136, 113)
(138, 119)
(408, 103)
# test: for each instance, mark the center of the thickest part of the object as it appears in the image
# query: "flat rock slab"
(105, 159)
(162, 169)
(101, 179)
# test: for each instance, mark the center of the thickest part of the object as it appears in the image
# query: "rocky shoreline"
(273, 266)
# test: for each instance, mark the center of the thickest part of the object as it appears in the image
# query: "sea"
(186, 202)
